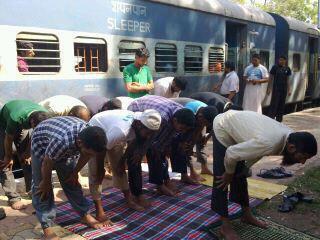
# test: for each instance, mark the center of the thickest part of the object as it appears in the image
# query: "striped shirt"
(167, 109)
(56, 138)
(164, 106)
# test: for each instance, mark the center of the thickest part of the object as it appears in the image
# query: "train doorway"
(312, 68)
(237, 50)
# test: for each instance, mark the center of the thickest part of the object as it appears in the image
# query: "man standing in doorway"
(137, 76)
(254, 75)
(279, 76)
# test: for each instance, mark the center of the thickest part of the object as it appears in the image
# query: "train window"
(90, 55)
(38, 53)
(296, 63)
(216, 60)
(193, 59)
(265, 56)
(127, 51)
(166, 57)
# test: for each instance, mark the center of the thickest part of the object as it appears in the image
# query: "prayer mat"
(257, 188)
(273, 232)
(183, 217)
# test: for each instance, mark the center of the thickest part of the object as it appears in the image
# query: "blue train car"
(81, 47)
(299, 42)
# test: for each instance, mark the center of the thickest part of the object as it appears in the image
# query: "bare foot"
(94, 223)
(142, 201)
(251, 220)
(172, 186)
(188, 180)
(102, 217)
(164, 190)
(206, 170)
(228, 233)
(49, 234)
(108, 175)
(131, 204)
(18, 205)
(197, 177)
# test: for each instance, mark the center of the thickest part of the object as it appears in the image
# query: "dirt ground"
(306, 218)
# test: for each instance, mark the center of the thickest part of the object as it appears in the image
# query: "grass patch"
(310, 182)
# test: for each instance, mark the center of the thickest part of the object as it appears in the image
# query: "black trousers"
(158, 171)
(277, 105)
(238, 187)
(180, 160)
(135, 177)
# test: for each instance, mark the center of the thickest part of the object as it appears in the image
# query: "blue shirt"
(189, 103)
(256, 73)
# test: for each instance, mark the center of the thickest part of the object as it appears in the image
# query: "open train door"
(236, 40)
(312, 70)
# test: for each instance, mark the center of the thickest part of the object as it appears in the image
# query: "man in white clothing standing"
(254, 75)
(169, 87)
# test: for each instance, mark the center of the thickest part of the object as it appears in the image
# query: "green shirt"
(142, 76)
(14, 115)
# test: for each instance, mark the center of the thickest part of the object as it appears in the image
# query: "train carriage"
(81, 47)
(85, 50)
(299, 42)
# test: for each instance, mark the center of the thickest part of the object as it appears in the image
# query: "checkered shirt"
(56, 138)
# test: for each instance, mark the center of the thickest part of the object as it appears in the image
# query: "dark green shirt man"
(14, 115)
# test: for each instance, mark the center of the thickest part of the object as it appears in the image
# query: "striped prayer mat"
(183, 217)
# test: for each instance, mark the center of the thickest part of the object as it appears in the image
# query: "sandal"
(282, 171)
(2, 214)
(265, 173)
(287, 205)
(301, 197)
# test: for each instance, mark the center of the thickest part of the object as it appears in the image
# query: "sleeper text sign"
(130, 10)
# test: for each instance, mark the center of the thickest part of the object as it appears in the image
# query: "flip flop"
(287, 205)
(271, 174)
(282, 171)
(2, 214)
(301, 197)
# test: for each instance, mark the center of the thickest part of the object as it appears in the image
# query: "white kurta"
(249, 136)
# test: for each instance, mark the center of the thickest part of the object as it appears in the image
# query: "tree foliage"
(304, 10)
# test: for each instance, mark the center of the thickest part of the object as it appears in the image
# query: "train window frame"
(36, 39)
(262, 54)
(129, 54)
(159, 58)
(93, 62)
(188, 64)
(212, 69)
(296, 62)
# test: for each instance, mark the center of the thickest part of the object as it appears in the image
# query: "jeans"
(46, 210)
(6, 176)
